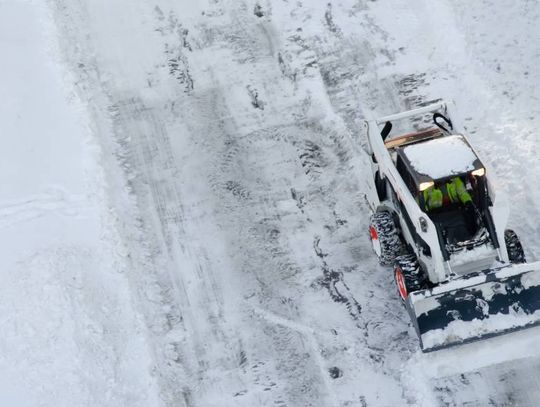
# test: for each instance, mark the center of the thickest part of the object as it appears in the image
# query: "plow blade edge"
(476, 306)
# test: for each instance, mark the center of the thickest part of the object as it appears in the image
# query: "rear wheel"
(514, 247)
(408, 275)
(384, 237)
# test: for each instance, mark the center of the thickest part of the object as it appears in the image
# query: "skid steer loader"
(460, 273)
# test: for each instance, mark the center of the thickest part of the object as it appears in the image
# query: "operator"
(451, 192)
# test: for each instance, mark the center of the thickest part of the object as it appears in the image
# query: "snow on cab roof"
(441, 157)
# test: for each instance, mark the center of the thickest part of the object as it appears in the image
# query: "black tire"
(384, 237)
(514, 247)
(408, 275)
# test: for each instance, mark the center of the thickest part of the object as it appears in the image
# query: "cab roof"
(440, 157)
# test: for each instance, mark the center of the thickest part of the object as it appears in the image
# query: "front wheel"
(384, 237)
(408, 275)
(514, 247)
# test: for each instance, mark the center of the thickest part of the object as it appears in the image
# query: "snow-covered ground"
(70, 334)
(182, 214)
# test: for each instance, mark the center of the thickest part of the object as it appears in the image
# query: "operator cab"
(435, 163)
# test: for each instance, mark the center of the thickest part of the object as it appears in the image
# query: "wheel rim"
(374, 236)
(400, 281)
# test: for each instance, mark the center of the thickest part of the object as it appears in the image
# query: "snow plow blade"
(475, 306)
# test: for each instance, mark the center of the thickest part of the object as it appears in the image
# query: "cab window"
(406, 176)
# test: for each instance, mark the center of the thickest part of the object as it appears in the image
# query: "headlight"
(480, 172)
(425, 185)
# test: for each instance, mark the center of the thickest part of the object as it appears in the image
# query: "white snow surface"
(441, 157)
(70, 334)
(477, 254)
(461, 330)
(182, 215)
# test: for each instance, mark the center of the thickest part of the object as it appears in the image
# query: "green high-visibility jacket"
(455, 190)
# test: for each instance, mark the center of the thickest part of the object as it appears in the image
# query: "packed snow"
(465, 330)
(480, 254)
(182, 212)
(441, 157)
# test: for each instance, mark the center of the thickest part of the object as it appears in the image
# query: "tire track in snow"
(349, 67)
(55, 201)
(310, 336)
(263, 217)
(152, 224)
(195, 291)
(260, 234)
(239, 195)
(336, 286)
